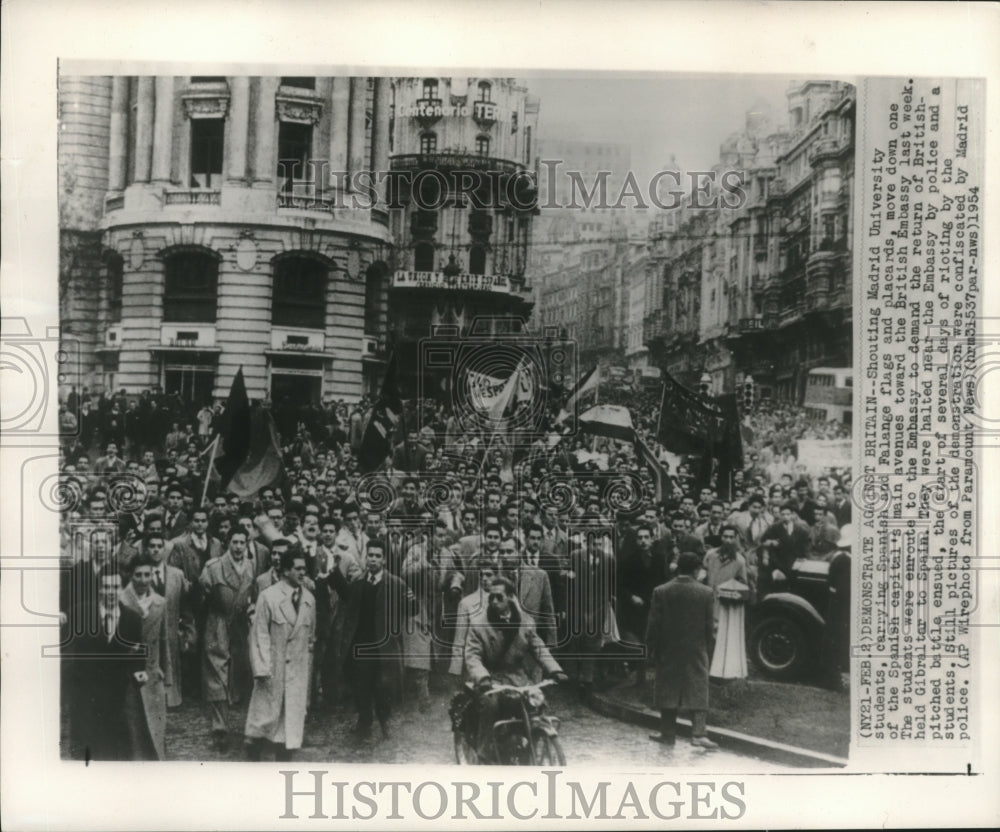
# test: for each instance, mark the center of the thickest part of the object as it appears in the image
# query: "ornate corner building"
(464, 151)
(209, 223)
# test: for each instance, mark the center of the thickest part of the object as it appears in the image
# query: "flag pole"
(659, 416)
(208, 473)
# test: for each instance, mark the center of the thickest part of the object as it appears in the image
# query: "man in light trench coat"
(281, 648)
(225, 584)
(680, 637)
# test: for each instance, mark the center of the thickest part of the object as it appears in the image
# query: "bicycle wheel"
(548, 750)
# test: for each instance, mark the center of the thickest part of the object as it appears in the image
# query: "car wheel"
(778, 646)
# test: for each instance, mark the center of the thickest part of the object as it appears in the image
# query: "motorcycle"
(523, 734)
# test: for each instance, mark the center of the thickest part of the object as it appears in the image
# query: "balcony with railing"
(791, 301)
(193, 196)
(827, 149)
(455, 160)
(427, 110)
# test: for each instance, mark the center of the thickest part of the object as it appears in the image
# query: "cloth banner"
(817, 454)
(611, 420)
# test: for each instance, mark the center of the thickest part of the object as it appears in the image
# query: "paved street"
(587, 739)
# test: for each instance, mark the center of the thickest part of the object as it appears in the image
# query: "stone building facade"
(217, 237)
(464, 152)
(760, 288)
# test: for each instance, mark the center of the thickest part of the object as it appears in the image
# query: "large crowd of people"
(332, 589)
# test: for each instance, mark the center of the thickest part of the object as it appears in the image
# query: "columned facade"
(223, 244)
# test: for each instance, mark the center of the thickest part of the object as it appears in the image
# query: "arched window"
(190, 287)
(485, 91)
(428, 143)
(483, 145)
(423, 257)
(299, 295)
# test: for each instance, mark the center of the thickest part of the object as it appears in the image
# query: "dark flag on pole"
(688, 421)
(376, 444)
(699, 425)
(262, 465)
(249, 458)
(234, 432)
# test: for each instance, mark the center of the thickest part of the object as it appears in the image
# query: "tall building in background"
(460, 255)
(571, 174)
(760, 291)
(201, 231)
(584, 246)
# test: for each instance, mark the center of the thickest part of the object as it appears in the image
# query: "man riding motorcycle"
(503, 647)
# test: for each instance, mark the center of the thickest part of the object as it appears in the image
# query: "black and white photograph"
(563, 415)
(404, 397)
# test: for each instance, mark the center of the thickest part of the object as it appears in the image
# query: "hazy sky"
(684, 116)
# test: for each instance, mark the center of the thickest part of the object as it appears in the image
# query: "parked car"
(787, 636)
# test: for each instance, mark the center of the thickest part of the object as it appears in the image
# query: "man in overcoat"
(226, 583)
(376, 604)
(643, 568)
(100, 662)
(468, 607)
(193, 549)
(680, 638)
(182, 637)
(145, 707)
(281, 646)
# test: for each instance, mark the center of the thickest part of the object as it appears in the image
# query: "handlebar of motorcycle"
(498, 688)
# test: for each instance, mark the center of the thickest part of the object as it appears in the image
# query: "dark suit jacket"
(790, 547)
(675, 544)
(842, 513)
(186, 557)
(97, 675)
(807, 510)
(179, 526)
(638, 574)
(391, 606)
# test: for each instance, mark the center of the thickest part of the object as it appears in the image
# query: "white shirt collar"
(145, 601)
